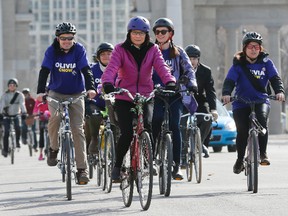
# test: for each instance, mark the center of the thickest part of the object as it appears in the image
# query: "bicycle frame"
(67, 158)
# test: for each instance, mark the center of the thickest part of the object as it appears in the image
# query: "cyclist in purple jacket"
(263, 71)
(132, 62)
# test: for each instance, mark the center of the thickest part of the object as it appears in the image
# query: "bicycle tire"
(166, 157)
(127, 183)
(189, 159)
(12, 149)
(255, 161)
(30, 143)
(197, 155)
(145, 170)
(109, 159)
(67, 144)
(91, 166)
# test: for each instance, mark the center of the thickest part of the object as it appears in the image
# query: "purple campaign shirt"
(65, 68)
(263, 71)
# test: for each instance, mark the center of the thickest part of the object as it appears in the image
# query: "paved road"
(30, 187)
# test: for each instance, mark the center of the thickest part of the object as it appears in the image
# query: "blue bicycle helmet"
(138, 23)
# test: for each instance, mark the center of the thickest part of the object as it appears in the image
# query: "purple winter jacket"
(123, 65)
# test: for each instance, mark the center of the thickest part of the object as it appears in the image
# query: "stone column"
(275, 125)
(231, 45)
(174, 12)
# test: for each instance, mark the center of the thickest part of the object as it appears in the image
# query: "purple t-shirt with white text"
(65, 68)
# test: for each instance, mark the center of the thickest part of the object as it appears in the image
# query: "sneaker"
(238, 166)
(116, 175)
(52, 157)
(4, 153)
(264, 160)
(177, 173)
(17, 145)
(41, 157)
(205, 151)
(82, 175)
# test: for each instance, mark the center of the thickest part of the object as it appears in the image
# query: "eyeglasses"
(163, 32)
(256, 47)
(66, 38)
(140, 33)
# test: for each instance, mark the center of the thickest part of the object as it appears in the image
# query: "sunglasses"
(163, 32)
(66, 38)
(256, 47)
(140, 33)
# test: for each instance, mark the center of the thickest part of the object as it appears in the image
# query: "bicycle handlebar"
(207, 116)
(66, 101)
(248, 101)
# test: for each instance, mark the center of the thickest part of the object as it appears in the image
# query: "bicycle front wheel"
(12, 141)
(145, 170)
(30, 142)
(109, 159)
(197, 155)
(67, 146)
(252, 163)
(165, 173)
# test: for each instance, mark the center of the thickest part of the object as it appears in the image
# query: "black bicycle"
(252, 156)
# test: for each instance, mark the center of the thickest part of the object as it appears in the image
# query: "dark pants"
(125, 118)
(6, 123)
(241, 117)
(175, 111)
(42, 126)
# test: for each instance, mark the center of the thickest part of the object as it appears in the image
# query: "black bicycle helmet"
(193, 51)
(163, 22)
(65, 28)
(13, 81)
(103, 47)
(252, 36)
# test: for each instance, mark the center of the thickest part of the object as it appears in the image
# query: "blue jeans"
(175, 111)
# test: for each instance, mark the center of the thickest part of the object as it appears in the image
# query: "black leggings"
(125, 117)
(241, 117)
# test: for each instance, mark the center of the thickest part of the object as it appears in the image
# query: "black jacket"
(206, 96)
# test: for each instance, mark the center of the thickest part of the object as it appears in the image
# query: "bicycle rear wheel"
(109, 159)
(166, 157)
(145, 170)
(127, 183)
(67, 144)
(197, 155)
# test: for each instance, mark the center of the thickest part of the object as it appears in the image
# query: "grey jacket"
(17, 107)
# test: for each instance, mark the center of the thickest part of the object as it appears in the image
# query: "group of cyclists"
(138, 64)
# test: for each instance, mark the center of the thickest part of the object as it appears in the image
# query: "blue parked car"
(223, 131)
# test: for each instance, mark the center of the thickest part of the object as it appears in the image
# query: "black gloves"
(108, 88)
(170, 86)
(193, 89)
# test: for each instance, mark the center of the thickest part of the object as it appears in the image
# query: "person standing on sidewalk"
(66, 62)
